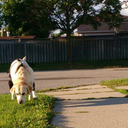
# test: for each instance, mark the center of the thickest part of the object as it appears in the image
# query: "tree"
(31, 16)
(26, 17)
(110, 13)
(69, 14)
(0, 14)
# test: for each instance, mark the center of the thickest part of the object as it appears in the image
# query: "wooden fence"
(54, 51)
(100, 49)
(35, 52)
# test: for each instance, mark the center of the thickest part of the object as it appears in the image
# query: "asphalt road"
(53, 79)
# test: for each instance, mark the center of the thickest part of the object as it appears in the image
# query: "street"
(53, 79)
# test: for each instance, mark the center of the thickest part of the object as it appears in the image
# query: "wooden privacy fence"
(35, 52)
(100, 49)
(54, 51)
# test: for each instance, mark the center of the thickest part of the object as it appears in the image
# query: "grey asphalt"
(53, 79)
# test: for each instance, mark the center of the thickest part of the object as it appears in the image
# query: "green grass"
(61, 88)
(116, 83)
(74, 65)
(4, 67)
(82, 112)
(32, 114)
(80, 65)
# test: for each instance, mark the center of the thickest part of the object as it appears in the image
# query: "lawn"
(74, 65)
(32, 114)
(116, 83)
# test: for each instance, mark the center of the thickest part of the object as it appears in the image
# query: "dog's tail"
(21, 65)
(24, 58)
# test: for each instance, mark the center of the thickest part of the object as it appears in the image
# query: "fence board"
(54, 51)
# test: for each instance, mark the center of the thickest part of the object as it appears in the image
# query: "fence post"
(69, 51)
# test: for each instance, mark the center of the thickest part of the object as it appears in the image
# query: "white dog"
(21, 80)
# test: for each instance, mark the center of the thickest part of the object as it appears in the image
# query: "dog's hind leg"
(33, 92)
(10, 84)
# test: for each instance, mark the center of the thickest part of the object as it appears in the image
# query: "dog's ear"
(24, 58)
(29, 89)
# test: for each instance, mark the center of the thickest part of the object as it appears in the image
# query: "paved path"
(53, 79)
(90, 107)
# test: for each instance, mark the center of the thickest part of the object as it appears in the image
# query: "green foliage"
(27, 17)
(110, 13)
(116, 83)
(69, 14)
(36, 17)
(35, 113)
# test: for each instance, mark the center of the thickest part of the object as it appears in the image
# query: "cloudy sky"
(124, 11)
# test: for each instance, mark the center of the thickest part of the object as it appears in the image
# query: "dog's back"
(21, 71)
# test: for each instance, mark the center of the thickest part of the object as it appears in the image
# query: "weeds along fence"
(54, 51)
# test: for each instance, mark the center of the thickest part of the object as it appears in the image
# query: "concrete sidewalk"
(90, 107)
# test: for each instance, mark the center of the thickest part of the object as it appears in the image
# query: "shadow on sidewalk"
(61, 107)
(96, 102)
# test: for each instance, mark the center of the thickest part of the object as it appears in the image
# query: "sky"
(124, 11)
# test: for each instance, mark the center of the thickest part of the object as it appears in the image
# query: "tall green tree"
(69, 14)
(110, 13)
(1, 14)
(27, 17)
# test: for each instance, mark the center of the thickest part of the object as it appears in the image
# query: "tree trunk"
(69, 50)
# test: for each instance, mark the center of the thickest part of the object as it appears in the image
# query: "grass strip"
(32, 114)
(61, 88)
(74, 65)
(116, 83)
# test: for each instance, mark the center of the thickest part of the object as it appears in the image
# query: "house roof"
(104, 28)
(16, 37)
(125, 16)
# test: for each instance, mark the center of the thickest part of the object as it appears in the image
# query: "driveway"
(53, 79)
